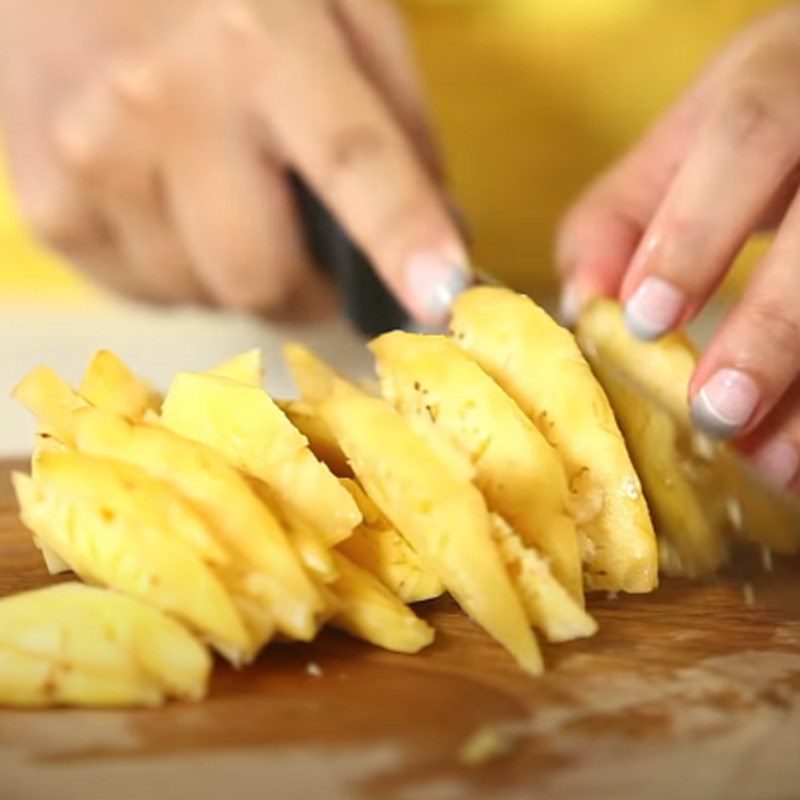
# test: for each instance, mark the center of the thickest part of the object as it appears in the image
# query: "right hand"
(148, 142)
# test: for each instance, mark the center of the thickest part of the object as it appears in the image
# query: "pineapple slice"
(110, 384)
(246, 526)
(540, 365)
(368, 610)
(244, 425)
(323, 445)
(112, 532)
(548, 604)
(247, 367)
(378, 548)
(691, 525)
(52, 401)
(441, 515)
(519, 473)
(72, 644)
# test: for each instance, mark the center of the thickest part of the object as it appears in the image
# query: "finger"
(774, 447)
(379, 40)
(331, 124)
(601, 232)
(755, 356)
(743, 154)
(107, 142)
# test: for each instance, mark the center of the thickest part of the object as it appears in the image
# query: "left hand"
(663, 226)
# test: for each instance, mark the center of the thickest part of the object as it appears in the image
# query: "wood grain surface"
(686, 693)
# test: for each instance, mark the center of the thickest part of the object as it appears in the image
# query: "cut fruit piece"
(52, 401)
(519, 473)
(87, 511)
(368, 610)
(242, 522)
(685, 497)
(75, 645)
(549, 606)
(540, 366)
(244, 425)
(323, 444)
(110, 384)
(247, 367)
(378, 548)
(443, 517)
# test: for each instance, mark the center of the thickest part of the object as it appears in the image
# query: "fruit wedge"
(519, 473)
(244, 425)
(72, 644)
(540, 366)
(111, 534)
(323, 445)
(442, 516)
(110, 384)
(378, 548)
(247, 367)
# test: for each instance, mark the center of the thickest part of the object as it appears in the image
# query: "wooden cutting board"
(688, 692)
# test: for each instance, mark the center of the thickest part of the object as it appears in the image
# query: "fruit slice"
(110, 384)
(71, 644)
(370, 611)
(689, 510)
(442, 516)
(108, 532)
(378, 548)
(540, 366)
(244, 425)
(323, 444)
(241, 521)
(247, 367)
(51, 400)
(519, 473)
(548, 604)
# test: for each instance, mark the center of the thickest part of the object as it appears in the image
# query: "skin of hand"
(662, 227)
(149, 142)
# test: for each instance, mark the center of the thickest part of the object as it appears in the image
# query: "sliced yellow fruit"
(519, 473)
(242, 522)
(378, 548)
(247, 367)
(550, 607)
(52, 401)
(540, 366)
(244, 425)
(71, 644)
(442, 516)
(370, 611)
(322, 442)
(83, 508)
(688, 508)
(112, 385)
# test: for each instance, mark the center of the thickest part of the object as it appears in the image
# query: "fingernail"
(725, 403)
(571, 304)
(653, 309)
(779, 460)
(434, 280)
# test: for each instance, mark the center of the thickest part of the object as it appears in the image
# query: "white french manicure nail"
(434, 281)
(653, 308)
(570, 304)
(779, 460)
(725, 403)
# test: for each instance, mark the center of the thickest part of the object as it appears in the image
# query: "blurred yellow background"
(531, 99)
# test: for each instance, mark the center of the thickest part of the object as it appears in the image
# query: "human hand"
(663, 226)
(149, 142)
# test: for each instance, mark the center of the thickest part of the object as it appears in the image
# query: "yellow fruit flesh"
(110, 384)
(540, 366)
(321, 441)
(75, 645)
(519, 473)
(244, 425)
(247, 367)
(443, 517)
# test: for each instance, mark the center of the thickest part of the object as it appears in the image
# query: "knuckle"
(778, 325)
(752, 117)
(349, 147)
(75, 148)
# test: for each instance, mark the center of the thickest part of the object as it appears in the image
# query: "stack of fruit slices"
(489, 467)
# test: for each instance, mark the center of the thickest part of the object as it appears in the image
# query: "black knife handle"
(368, 303)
